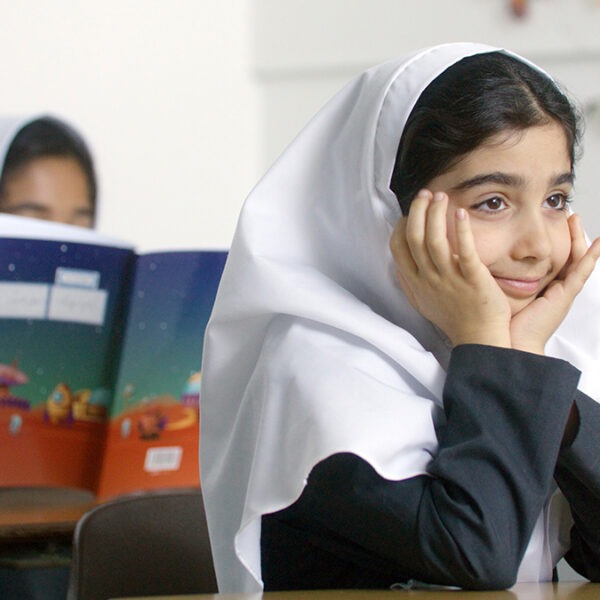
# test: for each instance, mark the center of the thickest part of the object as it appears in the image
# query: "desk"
(37, 524)
(524, 591)
(33, 513)
(36, 529)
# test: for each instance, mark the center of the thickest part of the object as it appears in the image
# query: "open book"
(100, 359)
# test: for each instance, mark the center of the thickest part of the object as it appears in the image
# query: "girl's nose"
(533, 238)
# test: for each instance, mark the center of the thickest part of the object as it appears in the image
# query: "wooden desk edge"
(575, 590)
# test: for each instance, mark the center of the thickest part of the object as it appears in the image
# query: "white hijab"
(312, 349)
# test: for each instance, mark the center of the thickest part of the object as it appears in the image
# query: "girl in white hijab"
(426, 414)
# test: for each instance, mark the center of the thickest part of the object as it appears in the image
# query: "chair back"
(149, 543)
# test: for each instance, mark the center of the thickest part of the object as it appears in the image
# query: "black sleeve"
(468, 523)
(578, 476)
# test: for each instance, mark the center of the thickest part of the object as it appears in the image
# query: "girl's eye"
(494, 204)
(558, 201)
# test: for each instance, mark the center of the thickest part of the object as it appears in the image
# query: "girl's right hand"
(532, 327)
(452, 288)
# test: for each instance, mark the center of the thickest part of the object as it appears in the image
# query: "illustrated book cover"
(100, 359)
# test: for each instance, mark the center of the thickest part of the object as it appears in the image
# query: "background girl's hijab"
(312, 349)
(9, 128)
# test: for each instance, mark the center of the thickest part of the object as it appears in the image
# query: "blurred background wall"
(165, 93)
(187, 102)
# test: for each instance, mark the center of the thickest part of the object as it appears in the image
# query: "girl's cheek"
(490, 242)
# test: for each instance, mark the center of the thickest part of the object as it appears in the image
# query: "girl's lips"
(520, 287)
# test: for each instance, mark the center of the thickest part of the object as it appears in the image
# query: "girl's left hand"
(531, 328)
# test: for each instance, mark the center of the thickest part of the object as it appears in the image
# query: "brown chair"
(143, 544)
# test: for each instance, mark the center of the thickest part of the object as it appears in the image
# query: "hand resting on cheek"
(454, 290)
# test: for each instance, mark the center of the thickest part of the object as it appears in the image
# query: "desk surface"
(525, 591)
(28, 513)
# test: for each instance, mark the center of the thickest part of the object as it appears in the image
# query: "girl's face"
(515, 189)
(52, 188)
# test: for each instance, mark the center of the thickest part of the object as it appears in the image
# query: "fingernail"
(461, 214)
(438, 196)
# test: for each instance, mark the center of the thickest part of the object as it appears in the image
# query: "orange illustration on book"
(65, 406)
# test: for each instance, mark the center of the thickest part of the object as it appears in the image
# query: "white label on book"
(165, 458)
(77, 277)
(77, 305)
(23, 300)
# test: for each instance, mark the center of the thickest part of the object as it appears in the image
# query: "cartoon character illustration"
(59, 405)
(84, 409)
(150, 423)
(65, 406)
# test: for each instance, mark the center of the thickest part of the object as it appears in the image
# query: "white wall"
(307, 49)
(163, 91)
(186, 102)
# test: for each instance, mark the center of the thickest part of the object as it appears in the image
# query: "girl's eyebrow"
(501, 178)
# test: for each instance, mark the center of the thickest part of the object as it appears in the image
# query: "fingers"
(474, 311)
(423, 238)
(426, 234)
(466, 251)
(532, 327)
(582, 260)
(580, 271)
(400, 251)
(578, 242)
(436, 236)
(406, 269)
(416, 230)
(419, 243)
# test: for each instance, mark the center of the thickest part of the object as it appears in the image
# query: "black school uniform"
(468, 523)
